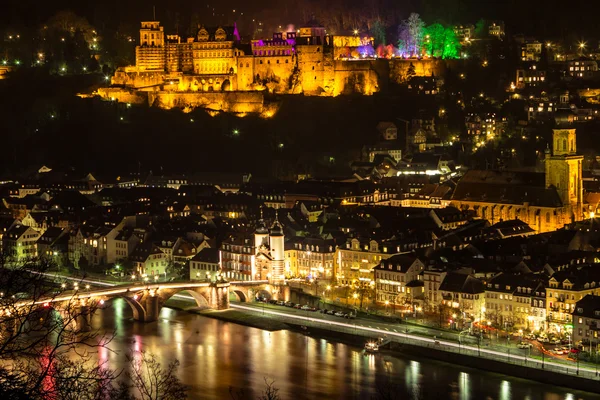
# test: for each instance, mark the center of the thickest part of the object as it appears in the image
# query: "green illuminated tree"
(378, 32)
(441, 42)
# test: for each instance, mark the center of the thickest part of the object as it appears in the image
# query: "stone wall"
(234, 102)
(274, 72)
(137, 79)
(311, 68)
(356, 77)
(399, 68)
(123, 95)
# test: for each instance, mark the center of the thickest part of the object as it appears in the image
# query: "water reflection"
(216, 356)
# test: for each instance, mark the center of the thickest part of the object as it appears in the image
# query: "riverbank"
(507, 364)
(230, 315)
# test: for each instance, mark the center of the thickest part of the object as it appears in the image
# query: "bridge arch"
(139, 312)
(238, 295)
(263, 293)
(200, 296)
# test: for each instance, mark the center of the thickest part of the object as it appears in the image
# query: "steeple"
(261, 234)
(261, 228)
(276, 229)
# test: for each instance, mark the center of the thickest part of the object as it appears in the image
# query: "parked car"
(350, 316)
(298, 306)
(281, 303)
(323, 311)
(305, 307)
(273, 302)
(555, 341)
(339, 314)
(530, 336)
(289, 304)
(331, 312)
(558, 351)
(524, 345)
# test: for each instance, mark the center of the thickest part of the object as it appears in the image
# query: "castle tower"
(261, 234)
(276, 240)
(563, 170)
(152, 34)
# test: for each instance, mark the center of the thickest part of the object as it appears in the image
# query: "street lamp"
(355, 296)
(387, 303)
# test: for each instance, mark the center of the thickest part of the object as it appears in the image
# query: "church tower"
(276, 240)
(563, 170)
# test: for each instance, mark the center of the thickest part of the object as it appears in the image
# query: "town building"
(148, 261)
(20, 243)
(582, 68)
(586, 323)
(514, 301)
(531, 50)
(530, 76)
(496, 29)
(565, 288)
(394, 278)
(311, 258)
(205, 264)
(464, 295)
(356, 260)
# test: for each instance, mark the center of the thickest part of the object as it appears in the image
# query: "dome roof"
(261, 229)
(276, 229)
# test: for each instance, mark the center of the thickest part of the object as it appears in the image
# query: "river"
(218, 356)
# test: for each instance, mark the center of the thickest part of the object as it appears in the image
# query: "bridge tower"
(276, 241)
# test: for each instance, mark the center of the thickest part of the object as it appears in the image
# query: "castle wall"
(274, 72)
(234, 102)
(245, 72)
(137, 79)
(123, 95)
(311, 68)
(357, 76)
(399, 68)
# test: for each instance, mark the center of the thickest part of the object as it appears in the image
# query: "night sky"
(535, 17)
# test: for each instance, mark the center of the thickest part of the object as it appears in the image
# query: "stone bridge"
(146, 300)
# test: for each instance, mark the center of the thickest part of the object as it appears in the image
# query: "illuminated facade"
(546, 202)
(311, 258)
(392, 278)
(355, 261)
(307, 61)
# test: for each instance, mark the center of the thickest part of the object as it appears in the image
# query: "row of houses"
(509, 300)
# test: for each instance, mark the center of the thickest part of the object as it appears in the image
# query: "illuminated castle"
(216, 71)
(307, 61)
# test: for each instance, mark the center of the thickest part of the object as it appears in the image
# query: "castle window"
(547, 217)
(277, 61)
(287, 61)
(247, 65)
(261, 61)
(564, 145)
